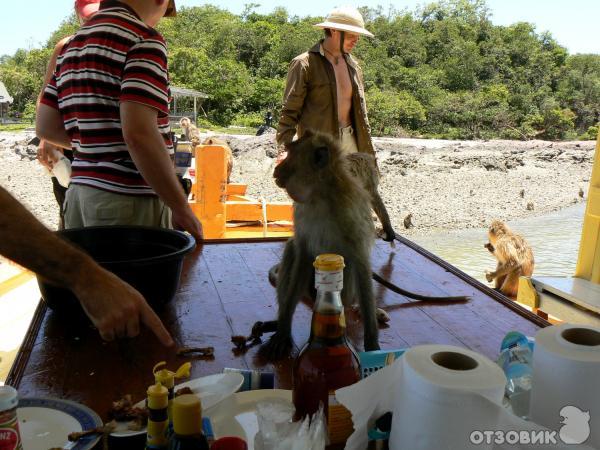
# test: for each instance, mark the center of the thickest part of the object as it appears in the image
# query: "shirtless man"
(324, 89)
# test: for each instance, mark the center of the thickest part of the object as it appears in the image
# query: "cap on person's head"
(171, 10)
(86, 8)
(345, 18)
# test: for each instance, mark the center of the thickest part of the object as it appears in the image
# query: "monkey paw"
(278, 347)
(490, 247)
(489, 276)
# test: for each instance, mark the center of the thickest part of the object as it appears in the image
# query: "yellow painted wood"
(15, 281)
(236, 189)
(588, 262)
(210, 189)
(527, 294)
(250, 211)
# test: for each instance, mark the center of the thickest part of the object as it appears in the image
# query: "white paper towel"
(439, 396)
(565, 393)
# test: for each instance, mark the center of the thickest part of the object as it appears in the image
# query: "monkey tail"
(273, 271)
(399, 290)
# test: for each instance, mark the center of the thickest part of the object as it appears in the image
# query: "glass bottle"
(10, 437)
(327, 361)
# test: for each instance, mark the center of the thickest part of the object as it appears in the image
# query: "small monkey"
(514, 255)
(191, 132)
(332, 214)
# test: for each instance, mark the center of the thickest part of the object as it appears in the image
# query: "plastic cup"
(229, 443)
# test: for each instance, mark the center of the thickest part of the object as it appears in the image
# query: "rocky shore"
(445, 185)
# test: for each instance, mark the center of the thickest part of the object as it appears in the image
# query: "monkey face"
(299, 173)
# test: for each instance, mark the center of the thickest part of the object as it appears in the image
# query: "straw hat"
(345, 18)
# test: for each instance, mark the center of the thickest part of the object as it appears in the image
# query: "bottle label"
(339, 421)
(9, 435)
(329, 281)
(156, 437)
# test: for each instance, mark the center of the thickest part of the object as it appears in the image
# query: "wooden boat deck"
(224, 289)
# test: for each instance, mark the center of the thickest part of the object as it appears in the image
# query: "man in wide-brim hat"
(324, 89)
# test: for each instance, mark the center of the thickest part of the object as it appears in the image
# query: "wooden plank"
(236, 189)
(576, 290)
(250, 211)
(223, 291)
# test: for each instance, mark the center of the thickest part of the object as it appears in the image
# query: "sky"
(575, 24)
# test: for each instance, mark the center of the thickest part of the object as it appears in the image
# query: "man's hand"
(116, 308)
(187, 220)
(46, 155)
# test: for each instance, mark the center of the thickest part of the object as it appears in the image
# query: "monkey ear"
(321, 157)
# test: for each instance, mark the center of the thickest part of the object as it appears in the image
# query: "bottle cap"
(158, 396)
(167, 377)
(187, 415)
(8, 398)
(329, 262)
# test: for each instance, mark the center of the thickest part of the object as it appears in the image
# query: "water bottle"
(516, 357)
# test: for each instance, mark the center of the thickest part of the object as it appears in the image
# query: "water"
(554, 238)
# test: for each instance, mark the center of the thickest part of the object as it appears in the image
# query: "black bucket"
(150, 259)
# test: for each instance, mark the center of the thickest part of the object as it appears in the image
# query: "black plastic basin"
(150, 259)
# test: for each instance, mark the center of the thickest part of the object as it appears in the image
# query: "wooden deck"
(224, 290)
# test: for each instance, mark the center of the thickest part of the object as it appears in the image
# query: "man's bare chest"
(342, 79)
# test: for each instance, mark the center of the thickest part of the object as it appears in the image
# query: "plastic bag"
(277, 431)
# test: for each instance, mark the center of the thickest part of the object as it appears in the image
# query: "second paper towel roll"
(565, 394)
(440, 401)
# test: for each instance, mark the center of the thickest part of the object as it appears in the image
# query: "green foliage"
(29, 112)
(443, 70)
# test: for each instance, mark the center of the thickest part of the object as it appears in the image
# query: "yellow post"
(588, 263)
(211, 190)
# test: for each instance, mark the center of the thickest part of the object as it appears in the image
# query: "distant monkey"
(514, 256)
(190, 131)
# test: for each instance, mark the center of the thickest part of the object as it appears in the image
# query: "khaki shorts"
(86, 206)
(348, 140)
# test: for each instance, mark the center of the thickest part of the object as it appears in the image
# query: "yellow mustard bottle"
(158, 419)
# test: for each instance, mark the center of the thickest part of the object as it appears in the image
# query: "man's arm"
(113, 306)
(293, 100)
(49, 126)
(149, 153)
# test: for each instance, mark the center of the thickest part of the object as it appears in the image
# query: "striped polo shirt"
(114, 58)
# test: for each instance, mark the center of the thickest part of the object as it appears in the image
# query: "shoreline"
(445, 185)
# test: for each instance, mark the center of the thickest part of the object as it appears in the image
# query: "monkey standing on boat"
(333, 196)
(514, 255)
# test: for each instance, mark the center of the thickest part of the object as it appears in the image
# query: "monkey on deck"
(332, 214)
(514, 256)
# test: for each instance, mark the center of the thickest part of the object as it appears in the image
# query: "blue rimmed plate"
(46, 422)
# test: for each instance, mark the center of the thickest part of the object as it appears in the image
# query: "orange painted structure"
(224, 209)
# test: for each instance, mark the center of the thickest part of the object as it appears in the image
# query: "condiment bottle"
(187, 424)
(158, 420)
(10, 438)
(167, 379)
(327, 361)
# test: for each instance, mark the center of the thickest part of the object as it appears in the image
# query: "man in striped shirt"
(108, 100)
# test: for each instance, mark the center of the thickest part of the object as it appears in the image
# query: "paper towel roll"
(566, 372)
(434, 406)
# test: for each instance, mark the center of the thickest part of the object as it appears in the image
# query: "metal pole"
(195, 112)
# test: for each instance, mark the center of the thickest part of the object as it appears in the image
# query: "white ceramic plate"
(211, 389)
(46, 422)
(236, 416)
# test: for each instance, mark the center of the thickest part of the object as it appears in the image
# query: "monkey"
(408, 221)
(514, 255)
(332, 214)
(333, 195)
(190, 131)
(228, 153)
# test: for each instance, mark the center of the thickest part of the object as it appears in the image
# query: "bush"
(251, 120)
(591, 134)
